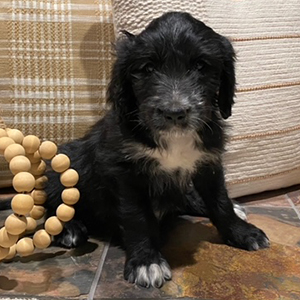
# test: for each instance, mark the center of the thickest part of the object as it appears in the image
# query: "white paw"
(240, 211)
(154, 275)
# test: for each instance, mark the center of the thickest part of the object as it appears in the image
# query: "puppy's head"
(173, 75)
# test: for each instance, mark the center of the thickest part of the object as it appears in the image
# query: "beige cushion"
(55, 61)
(264, 150)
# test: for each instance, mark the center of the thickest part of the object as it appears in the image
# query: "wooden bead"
(34, 157)
(13, 150)
(48, 150)
(41, 239)
(60, 163)
(38, 168)
(37, 212)
(12, 252)
(23, 182)
(39, 196)
(65, 212)
(69, 178)
(31, 224)
(3, 132)
(40, 182)
(31, 143)
(16, 135)
(15, 225)
(7, 239)
(22, 204)
(3, 252)
(53, 226)
(4, 143)
(25, 246)
(70, 196)
(19, 164)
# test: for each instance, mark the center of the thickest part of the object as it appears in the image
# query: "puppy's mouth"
(175, 132)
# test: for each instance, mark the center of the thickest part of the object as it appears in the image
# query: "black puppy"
(157, 153)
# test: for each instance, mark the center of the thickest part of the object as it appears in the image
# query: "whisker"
(217, 124)
(196, 121)
(139, 124)
(132, 112)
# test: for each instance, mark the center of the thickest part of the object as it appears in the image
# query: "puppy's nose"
(175, 115)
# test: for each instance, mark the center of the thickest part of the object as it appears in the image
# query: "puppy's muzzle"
(176, 116)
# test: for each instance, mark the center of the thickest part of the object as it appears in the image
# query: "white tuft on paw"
(142, 277)
(239, 211)
(255, 246)
(166, 270)
(154, 275)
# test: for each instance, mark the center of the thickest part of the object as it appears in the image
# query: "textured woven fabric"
(55, 61)
(264, 150)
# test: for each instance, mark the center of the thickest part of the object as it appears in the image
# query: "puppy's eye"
(199, 66)
(149, 68)
(146, 69)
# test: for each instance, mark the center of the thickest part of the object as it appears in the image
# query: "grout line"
(98, 272)
(265, 206)
(294, 207)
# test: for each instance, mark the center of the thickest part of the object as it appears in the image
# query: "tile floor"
(203, 267)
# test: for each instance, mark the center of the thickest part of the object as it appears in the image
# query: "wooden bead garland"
(25, 156)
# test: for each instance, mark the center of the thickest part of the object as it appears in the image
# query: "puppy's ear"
(119, 93)
(227, 85)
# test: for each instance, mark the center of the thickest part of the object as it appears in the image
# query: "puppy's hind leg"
(239, 210)
(73, 235)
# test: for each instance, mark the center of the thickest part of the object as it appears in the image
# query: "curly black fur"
(157, 153)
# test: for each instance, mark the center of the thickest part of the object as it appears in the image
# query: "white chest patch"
(181, 152)
(176, 152)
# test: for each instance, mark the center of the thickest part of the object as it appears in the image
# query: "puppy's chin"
(172, 132)
(177, 130)
(164, 137)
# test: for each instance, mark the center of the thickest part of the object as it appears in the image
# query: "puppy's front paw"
(246, 236)
(148, 274)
